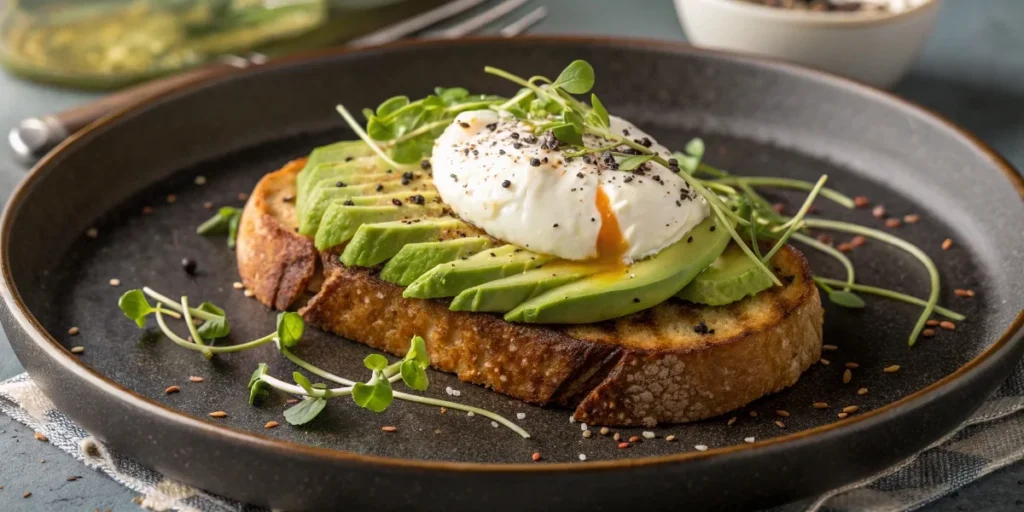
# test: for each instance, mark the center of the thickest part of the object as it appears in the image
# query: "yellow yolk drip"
(611, 245)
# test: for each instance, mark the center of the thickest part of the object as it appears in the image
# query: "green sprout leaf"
(568, 134)
(600, 114)
(846, 299)
(375, 396)
(303, 382)
(452, 95)
(392, 104)
(574, 119)
(212, 329)
(695, 148)
(414, 375)
(375, 362)
(304, 411)
(289, 329)
(224, 222)
(576, 78)
(258, 389)
(135, 306)
(319, 385)
(418, 352)
(633, 162)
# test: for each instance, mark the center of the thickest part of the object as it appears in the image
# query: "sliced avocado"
(341, 221)
(450, 279)
(322, 197)
(504, 295)
(414, 260)
(731, 277)
(642, 285)
(360, 170)
(386, 199)
(374, 244)
(346, 150)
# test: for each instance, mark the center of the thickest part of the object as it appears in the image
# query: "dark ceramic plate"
(757, 117)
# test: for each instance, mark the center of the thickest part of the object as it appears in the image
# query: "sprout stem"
(889, 294)
(831, 251)
(178, 339)
(759, 181)
(172, 304)
(189, 322)
(352, 123)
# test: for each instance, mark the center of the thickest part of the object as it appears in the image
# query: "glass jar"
(110, 43)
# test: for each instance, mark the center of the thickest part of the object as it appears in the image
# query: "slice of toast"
(654, 366)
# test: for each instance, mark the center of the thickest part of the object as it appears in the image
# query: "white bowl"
(871, 46)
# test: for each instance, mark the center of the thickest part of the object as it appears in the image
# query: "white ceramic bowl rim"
(801, 16)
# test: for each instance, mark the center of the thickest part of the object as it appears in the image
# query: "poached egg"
(522, 189)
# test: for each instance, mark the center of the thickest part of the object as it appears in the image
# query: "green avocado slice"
(346, 150)
(414, 260)
(341, 221)
(374, 244)
(360, 170)
(450, 279)
(731, 277)
(643, 285)
(505, 294)
(321, 198)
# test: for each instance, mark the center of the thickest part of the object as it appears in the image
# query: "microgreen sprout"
(224, 222)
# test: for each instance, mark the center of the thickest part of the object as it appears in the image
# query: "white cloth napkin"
(991, 439)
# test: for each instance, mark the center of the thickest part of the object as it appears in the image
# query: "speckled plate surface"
(757, 117)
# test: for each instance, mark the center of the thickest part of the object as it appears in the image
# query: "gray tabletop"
(972, 71)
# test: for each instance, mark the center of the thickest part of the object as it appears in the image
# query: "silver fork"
(33, 137)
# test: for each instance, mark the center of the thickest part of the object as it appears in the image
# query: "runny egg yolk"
(611, 245)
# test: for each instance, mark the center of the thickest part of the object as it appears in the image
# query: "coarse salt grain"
(115, 282)
(456, 392)
(748, 439)
(238, 286)
(200, 180)
(470, 414)
(670, 438)
(572, 420)
(448, 390)
(73, 331)
(583, 426)
(92, 233)
(248, 293)
(494, 424)
(701, 447)
(583, 457)
(521, 415)
(648, 434)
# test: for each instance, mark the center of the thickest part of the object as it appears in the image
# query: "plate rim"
(52, 348)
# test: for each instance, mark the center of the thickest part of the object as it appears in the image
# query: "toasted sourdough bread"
(643, 369)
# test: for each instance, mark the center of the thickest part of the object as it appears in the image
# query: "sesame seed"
(947, 325)
(604, 431)
(820, 405)
(195, 379)
(444, 410)
(913, 218)
(843, 415)
(248, 293)
(748, 439)
(847, 376)
(208, 205)
(670, 438)
(878, 212)
(960, 292)
(858, 241)
(389, 428)
(27, 495)
(171, 198)
(623, 445)
(892, 369)
(928, 333)
(892, 223)
(77, 350)
(572, 419)
(291, 401)
(731, 421)
(73, 331)
(825, 238)
(849, 409)
(852, 365)
(617, 436)
(470, 414)
(271, 424)
(824, 362)
(701, 447)
(784, 414)
(829, 348)
(780, 424)
(932, 323)
(861, 201)
(521, 415)
(753, 414)
(146, 210)
(115, 282)
(634, 439)
(92, 233)
(583, 457)
(648, 434)
(41, 437)
(200, 180)
(535, 456)
(947, 243)
(845, 247)
(238, 286)
(587, 434)
(218, 414)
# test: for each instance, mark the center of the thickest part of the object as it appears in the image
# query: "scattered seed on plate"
(195, 379)
(820, 405)
(634, 439)
(842, 415)
(825, 238)
(623, 445)
(893, 223)
(858, 241)
(731, 421)
(146, 210)
(583, 426)
(748, 439)
(701, 447)
(932, 323)
(829, 348)
(521, 415)
(572, 419)
(670, 438)
(878, 212)
(271, 424)
(587, 434)
(242, 196)
(208, 205)
(947, 243)
(583, 457)
(535, 456)
(862, 391)
(27, 495)
(845, 247)
(389, 428)
(291, 401)
(470, 414)
(780, 424)
(74, 331)
(171, 390)
(847, 376)
(92, 233)
(648, 434)
(782, 413)
(248, 293)
(200, 180)
(824, 362)
(189, 266)
(604, 431)
(928, 333)
(617, 436)
(115, 282)
(947, 325)
(852, 365)
(913, 218)
(753, 414)
(861, 201)
(73, 478)
(238, 286)
(960, 292)
(444, 410)
(41, 437)
(891, 369)
(218, 414)
(171, 198)
(849, 409)
(77, 350)
(779, 207)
